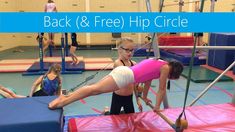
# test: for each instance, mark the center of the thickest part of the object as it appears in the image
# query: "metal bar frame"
(181, 3)
(211, 84)
(200, 47)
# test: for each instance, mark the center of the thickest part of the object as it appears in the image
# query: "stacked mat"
(30, 115)
(182, 55)
(176, 40)
(221, 58)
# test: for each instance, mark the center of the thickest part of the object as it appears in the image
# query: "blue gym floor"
(220, 93)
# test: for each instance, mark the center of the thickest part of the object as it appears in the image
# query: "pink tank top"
(146, 70)
(50, 7)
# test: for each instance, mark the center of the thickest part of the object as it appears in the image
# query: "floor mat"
(201, 74)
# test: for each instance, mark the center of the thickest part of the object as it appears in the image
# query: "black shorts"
(40, 93)
(121, 101)
(198, 34)
(74, 43)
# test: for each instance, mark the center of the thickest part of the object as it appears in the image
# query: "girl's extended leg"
(45, 46)
(51, 39)
(7, 93)
(107, 84)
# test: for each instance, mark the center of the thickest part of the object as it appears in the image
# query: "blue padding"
(183, 56)
(79, 67)
(30, 115)
(142, 52)
(221, 58)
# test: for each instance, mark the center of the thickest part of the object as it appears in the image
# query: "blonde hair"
(125, 39)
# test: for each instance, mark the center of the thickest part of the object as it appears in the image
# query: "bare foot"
(57, 103)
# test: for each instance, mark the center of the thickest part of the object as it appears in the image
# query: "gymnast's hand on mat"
(57, 103)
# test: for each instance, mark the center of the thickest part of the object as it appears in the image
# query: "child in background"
(45, 43)
(73, 48)
(50, 7)
(48, 84)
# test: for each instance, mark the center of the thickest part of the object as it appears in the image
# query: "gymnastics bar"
(41, 54)
(200, 47)
(66, 45)
(168, 121)
(210, 85)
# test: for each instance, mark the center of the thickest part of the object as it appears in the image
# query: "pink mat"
(21, 65)
(216, 118)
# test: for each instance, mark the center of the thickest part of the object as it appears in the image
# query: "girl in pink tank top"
(147, 70)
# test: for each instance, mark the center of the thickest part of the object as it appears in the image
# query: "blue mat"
(201, 75)
(68, 66)
(142, 52)
(30, 115)
(221, 58)
(183, 56)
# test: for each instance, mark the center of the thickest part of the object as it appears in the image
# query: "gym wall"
(28, 39)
